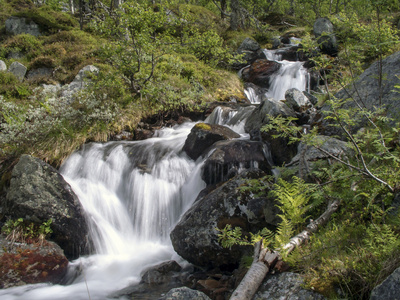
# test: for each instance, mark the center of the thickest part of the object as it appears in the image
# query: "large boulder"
(260, 72)
(324, 32)
(251, 51)
(37, 193)
(18, 69)
(22, 263)
(367, 91)
(267, 108)
(389, 288)
(230, 157)
(285, 286)
(15, 25)
(297, 100)
(305, 160)
(195, 237)
(203, 135)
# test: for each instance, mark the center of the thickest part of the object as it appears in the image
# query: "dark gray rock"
(203, 135)
(307, 156)
(37, 193)
(267, 108)
(230, 157)
(365, 89)
(251, 50)
(184, 293)
(324, 32)
(195, 237)
(15, 25)
(297, 100)
(286, 286)
(162, 273)
(389, 288)
(3, 66)
(18, 69)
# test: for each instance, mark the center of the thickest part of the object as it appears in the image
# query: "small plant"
(19, 231)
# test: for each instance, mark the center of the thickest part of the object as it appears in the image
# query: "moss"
(200, 17)
(27, 44)
(48, 19)
(203, 126)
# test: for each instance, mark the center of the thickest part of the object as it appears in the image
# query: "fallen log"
(264, 259)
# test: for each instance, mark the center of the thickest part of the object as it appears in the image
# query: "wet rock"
(324, 32)
(260, 72)
(203, 135)
(161, 273)
(3, 66)
(23, 263)
(285, 286)
(184, 293)
(281, 151)
(389, 288)
(195, 237)
(15, 25)
(297, 100)
(37, 193)
(267, 108)
(18, 69)
(230, 157)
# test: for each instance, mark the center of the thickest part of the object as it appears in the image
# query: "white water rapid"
(291, 74)
(133, 193)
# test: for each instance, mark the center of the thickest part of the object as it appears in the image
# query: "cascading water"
(133, 193)
(291, 74)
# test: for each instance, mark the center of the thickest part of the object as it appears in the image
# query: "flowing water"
(133, 194)
(292, 74)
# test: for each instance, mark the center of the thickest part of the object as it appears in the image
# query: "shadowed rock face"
(37, 193)
(230, 157)
(203, 135)
(260, 71)
(195, 237)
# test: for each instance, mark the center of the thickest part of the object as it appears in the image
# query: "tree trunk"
(71, 6)
(235, 15)
(265, 259)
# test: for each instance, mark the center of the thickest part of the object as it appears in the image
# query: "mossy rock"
(48, 19)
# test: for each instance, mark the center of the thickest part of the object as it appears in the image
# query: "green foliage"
(24, 232)
(293, 200)
(28, 44)
(48, 19)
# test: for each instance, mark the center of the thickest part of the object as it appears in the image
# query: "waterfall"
(291, 74)
(133, 194)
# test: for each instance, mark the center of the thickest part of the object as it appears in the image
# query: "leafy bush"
(25, 43)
